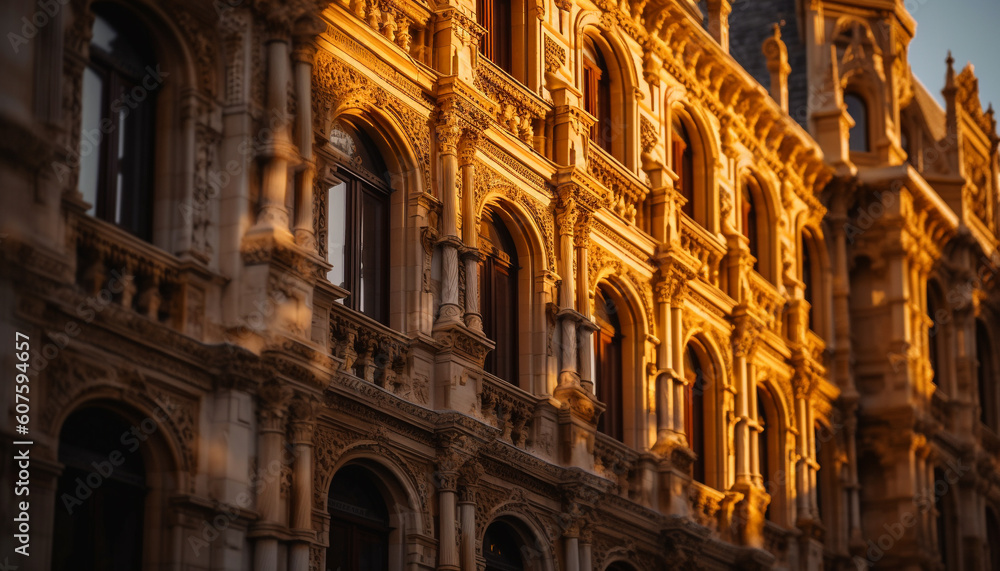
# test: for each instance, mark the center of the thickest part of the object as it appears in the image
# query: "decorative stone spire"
(776, 54)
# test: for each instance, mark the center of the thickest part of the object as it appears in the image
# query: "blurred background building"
(550, 285)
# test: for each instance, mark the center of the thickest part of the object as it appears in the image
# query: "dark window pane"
(608, 353)
(858, 111)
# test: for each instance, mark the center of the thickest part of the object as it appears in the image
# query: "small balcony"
(509, 409)
(115, 267)
(616, 462)
(626, 190)
(375, 354)
(704, 247)
(519, 111)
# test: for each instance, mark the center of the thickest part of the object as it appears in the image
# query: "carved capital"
(467, 146)
(448, 133)
(746, 335)
(272, 410)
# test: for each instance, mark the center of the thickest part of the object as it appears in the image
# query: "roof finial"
(950, 74)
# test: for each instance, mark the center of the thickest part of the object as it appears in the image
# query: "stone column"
(470, 230)
(303, 55)
(742, 346)
(566, 215)
(447, 477)
(278, 152)
(677, 341)
(664, 357)
(448, 133)
(467, 519)
(271, 417)
(303, 425)
(586, 549)
(585, 345)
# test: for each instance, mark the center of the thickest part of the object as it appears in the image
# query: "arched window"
(946, 522)
(904, 142)
(807, 280)
(683, 157)
(359, 523)
(935, 343)
(858, 110)
(499, 305)
(597, 94)
(750, 220)
(357, 217)
(985, 377)
(104, 529)
(118, 108)
(502, 548)
(608, 357)
(694, 417)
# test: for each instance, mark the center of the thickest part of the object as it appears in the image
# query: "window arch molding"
(937, 313)
(705, 155)
(861, 84)
(398, 489)
(624, 106)
(765, 209)
(986, 356)
(529, 533)
(815, 274)
(716, 462)
(638, 427)
(337, 161)
(162, 457)
(771, 402)
(532, 294)
(173, 87)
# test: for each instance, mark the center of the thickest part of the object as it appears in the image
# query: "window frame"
(135, 197)
(357, 188)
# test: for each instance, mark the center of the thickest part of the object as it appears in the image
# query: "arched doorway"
(359, 522)
(101, 494)
(503, 548)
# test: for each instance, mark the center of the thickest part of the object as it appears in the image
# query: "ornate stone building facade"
(568, 285)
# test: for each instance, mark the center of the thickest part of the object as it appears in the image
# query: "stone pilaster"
(272, 415)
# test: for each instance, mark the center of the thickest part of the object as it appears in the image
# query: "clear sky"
(970, 29)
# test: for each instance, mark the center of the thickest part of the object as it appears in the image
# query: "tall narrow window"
(750, 226)
(985, 377)
(105, 530)
(357, 232)
(993, 539)
(764, 447)
(934, 342)
(683, 156)
(359, 523)
(807, 280)
(499, 297)
(858, 110)
(608, 357)
(944, 523)
(694, 417)
(496, 17)
(597, 94)
(118, 108)
(820, 476)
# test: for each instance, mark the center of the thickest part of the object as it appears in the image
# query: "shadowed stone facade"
(562, 285)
